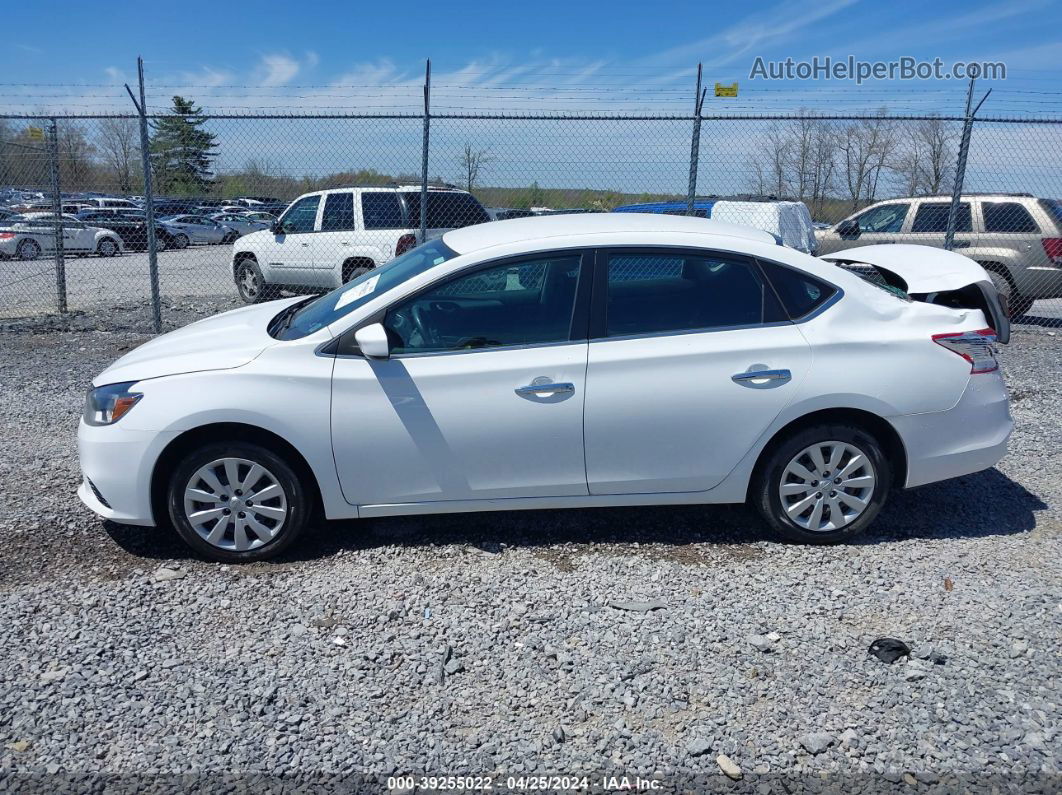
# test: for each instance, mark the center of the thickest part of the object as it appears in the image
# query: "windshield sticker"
(355, 293)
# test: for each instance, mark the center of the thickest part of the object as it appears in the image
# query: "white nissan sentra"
(560, 362)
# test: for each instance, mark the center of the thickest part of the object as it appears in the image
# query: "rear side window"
(657, 293)
(1007, 217)
(382, 210)
(338, 213)
(1054, 209)
(800, 293)
(447, 210)
(934, 218)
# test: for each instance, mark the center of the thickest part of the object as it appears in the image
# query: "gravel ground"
(640, 642)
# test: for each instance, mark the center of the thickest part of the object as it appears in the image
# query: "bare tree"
(76, 157)
(473, 162)
(865, 148)
(925, 161)
(118, 142)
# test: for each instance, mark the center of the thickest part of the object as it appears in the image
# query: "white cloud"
(279, 69)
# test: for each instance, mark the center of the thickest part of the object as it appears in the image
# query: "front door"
(481, 398)
(289, 257)
(690, 361)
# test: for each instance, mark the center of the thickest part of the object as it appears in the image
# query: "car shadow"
(975, 506)
(1036, 320)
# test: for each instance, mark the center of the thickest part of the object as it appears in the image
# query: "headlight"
(108, 404)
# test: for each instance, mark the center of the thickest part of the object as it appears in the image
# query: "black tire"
(111, 250)
(251, 284)
(352, 270)
(28, 250)
(765, 495)
(1016, 303)
(180, 240)
(296, 499)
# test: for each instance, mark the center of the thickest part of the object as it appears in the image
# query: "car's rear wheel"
(237, 502)
(251, 284)
(107, 247)
(1015, 301)
(28, 249)
(823, 484)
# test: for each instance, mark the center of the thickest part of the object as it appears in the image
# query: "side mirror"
(276, 227)
(372, 340)
(849, 230)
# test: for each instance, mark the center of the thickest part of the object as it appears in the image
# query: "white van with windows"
(326, 238)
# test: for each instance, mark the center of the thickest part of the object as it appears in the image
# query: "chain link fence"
(238, 217)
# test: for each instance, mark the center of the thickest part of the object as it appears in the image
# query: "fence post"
(424, 154)
(57, 209)
(149, 201)
(960, 164)
(695, 145)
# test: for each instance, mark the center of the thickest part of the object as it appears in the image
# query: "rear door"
(335, 242)
(930, 225)
(691, 358)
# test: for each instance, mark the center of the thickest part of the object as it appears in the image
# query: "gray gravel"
(676, 643)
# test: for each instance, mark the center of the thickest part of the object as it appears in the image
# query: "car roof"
(498, 233)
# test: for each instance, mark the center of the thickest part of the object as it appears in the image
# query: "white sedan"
(561, 362)
(28, 236)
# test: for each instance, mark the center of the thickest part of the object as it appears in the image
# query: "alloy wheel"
(827, 486)
(235, 504)
(249, 282)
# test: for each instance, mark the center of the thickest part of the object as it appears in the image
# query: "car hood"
(222, 342)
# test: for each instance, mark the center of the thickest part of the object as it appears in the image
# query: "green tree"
(182, 152)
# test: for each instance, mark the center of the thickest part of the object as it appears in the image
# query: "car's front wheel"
(823, 484)
(250, 283)
(180, 240)
(237, 502)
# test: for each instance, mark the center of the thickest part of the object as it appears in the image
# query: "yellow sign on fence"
(726, 91)
(35, 133)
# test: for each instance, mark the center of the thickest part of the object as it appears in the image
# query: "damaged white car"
(560, 362)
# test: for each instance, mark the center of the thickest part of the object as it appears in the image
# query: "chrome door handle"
(549, 389)
(762, 375)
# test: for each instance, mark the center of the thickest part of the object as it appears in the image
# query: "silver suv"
(1016, 237)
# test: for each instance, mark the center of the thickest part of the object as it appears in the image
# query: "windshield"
(330, 307)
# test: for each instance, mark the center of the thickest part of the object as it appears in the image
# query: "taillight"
(1053, 249)
(6, 235)
(976, 347)
(404, 244)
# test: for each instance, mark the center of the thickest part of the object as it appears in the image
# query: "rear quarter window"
(447, 210)
(800, 293)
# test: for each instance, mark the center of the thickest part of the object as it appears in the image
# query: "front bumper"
(969, 437)
(119, 463)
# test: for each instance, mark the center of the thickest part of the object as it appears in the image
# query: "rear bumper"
(969, 437)
(119, 464)
(1038, 281)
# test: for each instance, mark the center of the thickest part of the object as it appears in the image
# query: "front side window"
(301, 216)
(526, 303)
(1008, 217)
(934, 218)
(338, 215)
(887, 218)
(381, 210)
(656, 293)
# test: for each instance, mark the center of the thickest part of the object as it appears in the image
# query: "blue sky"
(270, 47)
(326, 55)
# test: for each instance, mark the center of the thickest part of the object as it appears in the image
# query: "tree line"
(838, 167)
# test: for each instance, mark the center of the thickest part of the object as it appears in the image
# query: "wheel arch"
(225, 431)
(880, 428)
(350, 263)
(239, 257)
